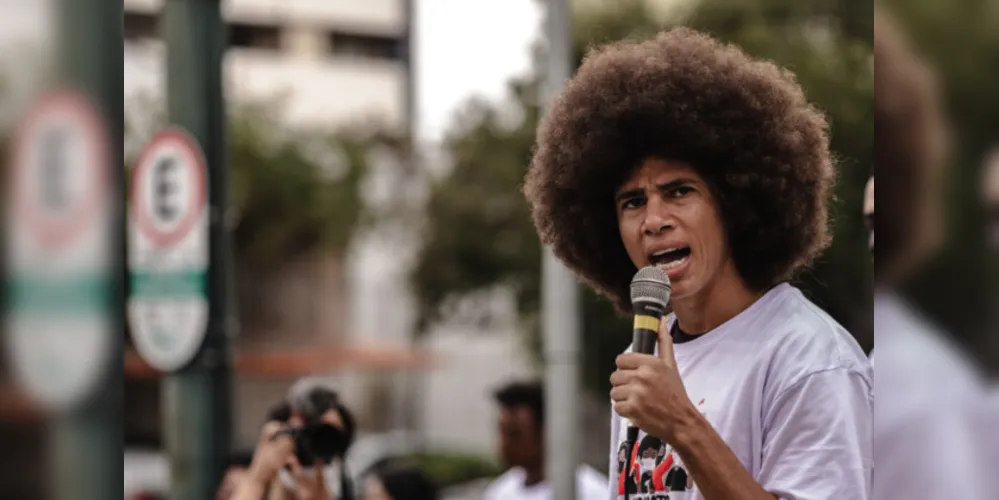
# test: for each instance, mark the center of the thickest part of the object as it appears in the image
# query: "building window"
(140, 26)
(254, 36)
(366, 46)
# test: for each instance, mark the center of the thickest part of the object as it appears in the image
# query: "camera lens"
(327, 442)
(322, 442)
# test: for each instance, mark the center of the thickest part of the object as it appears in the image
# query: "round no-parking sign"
(59, 250)
(168, 250)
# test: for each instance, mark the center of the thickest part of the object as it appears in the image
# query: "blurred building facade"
(338, 63)
(335, 61)
(325, 63)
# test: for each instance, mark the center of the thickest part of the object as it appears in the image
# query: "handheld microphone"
(650, 291)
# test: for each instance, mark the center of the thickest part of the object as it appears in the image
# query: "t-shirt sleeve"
(817, 438)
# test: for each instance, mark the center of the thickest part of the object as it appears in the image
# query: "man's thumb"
(666, 344)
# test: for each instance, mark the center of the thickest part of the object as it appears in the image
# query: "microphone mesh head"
(650, 283)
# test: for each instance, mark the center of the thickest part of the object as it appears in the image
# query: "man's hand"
(271, 454)
(648, 391)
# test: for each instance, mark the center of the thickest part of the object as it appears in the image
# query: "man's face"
(869, 212)
(520, 438)
(668, 217)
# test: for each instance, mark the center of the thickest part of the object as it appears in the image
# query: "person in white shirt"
(929, 392)
(685, 153)
(521, 425)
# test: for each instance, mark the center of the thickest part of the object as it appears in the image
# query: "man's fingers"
(621, 377)
(633, 360)
(619, 394)
(296, 469)
(270, 429)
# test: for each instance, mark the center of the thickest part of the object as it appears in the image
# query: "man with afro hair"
(685, 153)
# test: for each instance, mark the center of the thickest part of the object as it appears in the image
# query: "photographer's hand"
(271, 454)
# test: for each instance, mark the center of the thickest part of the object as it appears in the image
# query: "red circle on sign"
(196, 171)
(58, 233)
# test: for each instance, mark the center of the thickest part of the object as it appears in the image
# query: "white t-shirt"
(790, 392)
(929, 405)
(590, 485)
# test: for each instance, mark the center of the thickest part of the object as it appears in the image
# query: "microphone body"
(645, 335)
(650, 292)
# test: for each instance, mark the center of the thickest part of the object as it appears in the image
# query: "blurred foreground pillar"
(196, 399)
(88, 440)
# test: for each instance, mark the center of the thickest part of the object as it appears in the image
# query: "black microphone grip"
(644, 341)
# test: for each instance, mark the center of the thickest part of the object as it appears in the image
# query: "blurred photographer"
(302, 448)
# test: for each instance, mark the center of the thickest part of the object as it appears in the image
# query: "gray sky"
(467, 48)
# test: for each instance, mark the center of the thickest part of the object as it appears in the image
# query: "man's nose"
(656, 219)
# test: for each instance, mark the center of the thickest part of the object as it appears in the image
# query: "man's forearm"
(253, 488)
(714, 467)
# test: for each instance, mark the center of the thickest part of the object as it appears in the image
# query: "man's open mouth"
(670, 258)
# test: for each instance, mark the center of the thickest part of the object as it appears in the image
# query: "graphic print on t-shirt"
(657, 473)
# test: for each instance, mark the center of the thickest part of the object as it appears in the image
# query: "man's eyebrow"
(675, 184)
(631, 193)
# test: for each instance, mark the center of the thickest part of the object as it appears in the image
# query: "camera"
(315, 439)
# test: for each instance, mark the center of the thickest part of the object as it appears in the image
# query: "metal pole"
(560, 301)
(409, 386)
(196, 399)
(88, 440)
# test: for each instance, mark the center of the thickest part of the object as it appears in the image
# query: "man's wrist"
(691, 432)
(259, 478)
(251, 487)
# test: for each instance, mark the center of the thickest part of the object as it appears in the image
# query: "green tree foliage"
(480, 230)
(292, 192)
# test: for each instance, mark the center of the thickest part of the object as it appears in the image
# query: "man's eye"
(632, 203)
(680, 192)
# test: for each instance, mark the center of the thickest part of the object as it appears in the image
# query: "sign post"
(196, 395)
(168, 251)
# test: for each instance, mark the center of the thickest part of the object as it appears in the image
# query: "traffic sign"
(59, 250)
(168, 250)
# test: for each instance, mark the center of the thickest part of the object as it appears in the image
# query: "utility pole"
(560, 300)
(196, 398)
(88, 439)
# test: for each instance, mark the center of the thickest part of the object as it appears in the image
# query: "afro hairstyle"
(910, 146)
(743, 125)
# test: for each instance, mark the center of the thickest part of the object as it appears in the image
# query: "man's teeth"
(664, 252)
(673, 263)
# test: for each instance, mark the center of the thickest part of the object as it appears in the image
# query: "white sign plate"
(58, 251)
(168, 250)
